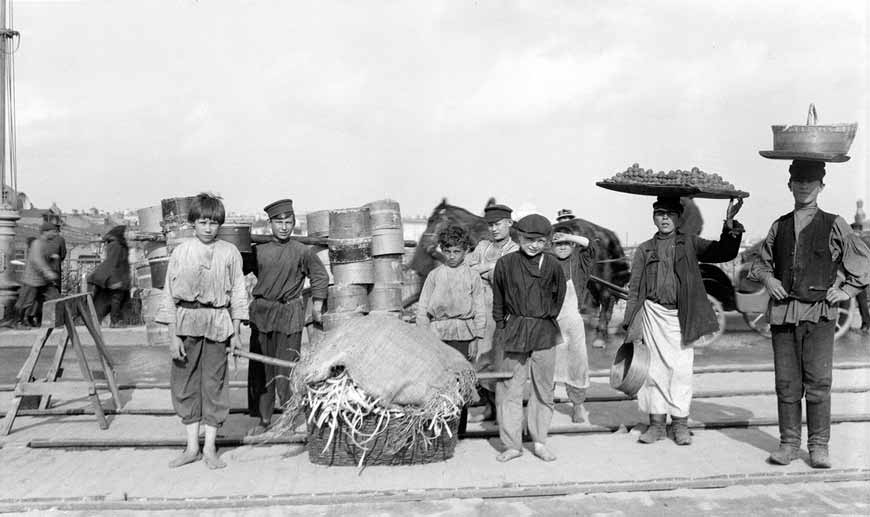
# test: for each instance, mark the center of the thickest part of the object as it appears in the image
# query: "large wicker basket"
(342, 452)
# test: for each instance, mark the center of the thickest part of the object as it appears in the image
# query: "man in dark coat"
(277, 312)
(111, 279)
(668, 307)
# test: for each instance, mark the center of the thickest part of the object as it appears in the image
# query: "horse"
(612, 265)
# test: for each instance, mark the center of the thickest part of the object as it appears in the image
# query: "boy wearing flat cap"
(798, 264)
(667, 306)
(277, 311)
(482, 261)
(528, 289)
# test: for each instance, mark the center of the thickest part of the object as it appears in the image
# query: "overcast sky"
(334, 104)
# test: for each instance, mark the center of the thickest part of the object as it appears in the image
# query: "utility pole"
(8, 175)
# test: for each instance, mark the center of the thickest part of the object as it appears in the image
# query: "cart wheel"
(844, 318)
(757, 321)
(720, 317)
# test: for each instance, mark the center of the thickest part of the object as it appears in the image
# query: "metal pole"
(9, 202)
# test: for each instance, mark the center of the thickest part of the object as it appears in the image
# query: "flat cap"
(565, 214)
(806, 170)
(279, 208)
(495, 213)
(44, 227)
(534, 226)
(669, 204)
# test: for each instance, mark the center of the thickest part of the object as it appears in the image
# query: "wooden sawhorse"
(57, 313)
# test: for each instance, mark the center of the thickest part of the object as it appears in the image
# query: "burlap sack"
(390, 359)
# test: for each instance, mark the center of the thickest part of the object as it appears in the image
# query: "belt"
(283, 302)
(197, 305)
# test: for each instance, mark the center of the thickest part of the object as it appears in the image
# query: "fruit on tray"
(679, 178)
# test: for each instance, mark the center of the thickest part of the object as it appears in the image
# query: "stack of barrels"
(365, 259)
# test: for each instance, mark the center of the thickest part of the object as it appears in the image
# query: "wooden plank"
(264, 359)
(55, 371)
(69, 388)
(89, 314)
(26, 371)
(86, 371)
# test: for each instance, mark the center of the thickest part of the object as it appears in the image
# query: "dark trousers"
(43, 294)
(110, 301)
(462, 348)
(803, 356)
(861, 298)
(266, 379)
(199, 382)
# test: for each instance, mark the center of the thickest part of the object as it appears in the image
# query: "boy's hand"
(775, 288)
(472, 349)
(176, 348)
(235, 344)
(317, 310)
(836, 295)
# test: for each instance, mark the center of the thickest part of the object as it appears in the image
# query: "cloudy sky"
(334, 104)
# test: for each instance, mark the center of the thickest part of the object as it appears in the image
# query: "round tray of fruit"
(691, 183)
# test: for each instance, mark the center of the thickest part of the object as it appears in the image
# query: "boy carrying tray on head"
(278, 310)
(204, 301)
(576, 256)
(528, 289)
(452, 300)
(668, 307)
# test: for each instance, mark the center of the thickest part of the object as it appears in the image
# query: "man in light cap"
(482, 261)
(528, 289)
(798, 264)
(668, 308)
(277, 311)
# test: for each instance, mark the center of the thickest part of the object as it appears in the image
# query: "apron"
(572, 362)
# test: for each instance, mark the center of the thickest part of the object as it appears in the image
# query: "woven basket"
(343, 453)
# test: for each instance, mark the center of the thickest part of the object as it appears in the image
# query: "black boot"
(819, 433)
(682, 435)
(656, 430)
(789, 433)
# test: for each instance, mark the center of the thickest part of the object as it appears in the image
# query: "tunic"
(281, 270)
(845, 248)
(452, 303)
(210, 274)
(527, 296)
(482, 261)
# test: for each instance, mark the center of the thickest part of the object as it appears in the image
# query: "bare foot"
(211, 460)
(508, 455)
(184, 458)
(543, 452)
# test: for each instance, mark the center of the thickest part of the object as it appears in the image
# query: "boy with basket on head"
(452, 300)
(528, 289)
(576, 256)
(668, 307)
(204, 302)
(278, 310)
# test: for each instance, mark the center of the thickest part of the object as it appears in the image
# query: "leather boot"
(656, 430)
(789, 414)
(682, 435)
(819, 433)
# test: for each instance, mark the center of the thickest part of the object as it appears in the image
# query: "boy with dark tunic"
(798, 264)
(528, 289)
(668, 307)
(204, 302)
(576, 255)
(278, 310)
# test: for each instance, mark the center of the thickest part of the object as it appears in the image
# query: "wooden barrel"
(143, 275)
(238, 235)
(150, 219)
(345, 251)
(322, 253)
(412, 284)
(158, 271)
(354, 272)
(155, 249)
(350, 223)
(348, 298)
(385, 214)
(150, 301)
(333, 320)
(175, 210)
(178, 235)
(387, 241)
(318, 223)
(386, 298)
(388, 270)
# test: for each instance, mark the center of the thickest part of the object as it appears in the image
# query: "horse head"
(427, 255)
